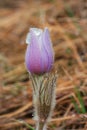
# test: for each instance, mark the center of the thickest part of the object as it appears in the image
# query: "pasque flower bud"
(39, 56)
(39, 60)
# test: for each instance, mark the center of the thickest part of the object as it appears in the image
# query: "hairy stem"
(40, 125)
(43, 98)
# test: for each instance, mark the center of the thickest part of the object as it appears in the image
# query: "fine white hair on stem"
(43, 98)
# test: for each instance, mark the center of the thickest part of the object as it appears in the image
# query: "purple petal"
(44, 55)
(48, 48)
(44, 60)
(33, 57)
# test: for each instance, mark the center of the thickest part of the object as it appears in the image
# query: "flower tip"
(36, 31)
(46, 29)
(46, 32)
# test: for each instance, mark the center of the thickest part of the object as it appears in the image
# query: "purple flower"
(39, 56)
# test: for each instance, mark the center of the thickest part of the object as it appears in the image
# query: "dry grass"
(67, 22)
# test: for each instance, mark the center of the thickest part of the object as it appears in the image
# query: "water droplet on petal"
(37, 32)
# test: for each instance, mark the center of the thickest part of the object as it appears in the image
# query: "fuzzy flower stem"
(40, 126)
(43, 98)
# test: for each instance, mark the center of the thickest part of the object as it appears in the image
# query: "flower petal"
(33, 57)
(36, 31)
(48, 47)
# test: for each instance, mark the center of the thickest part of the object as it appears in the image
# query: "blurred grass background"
(67, 22)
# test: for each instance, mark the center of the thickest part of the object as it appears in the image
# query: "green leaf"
(75, 105)
(69, 11)
(83, 109)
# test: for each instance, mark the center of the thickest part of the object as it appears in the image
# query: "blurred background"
(67, 22)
